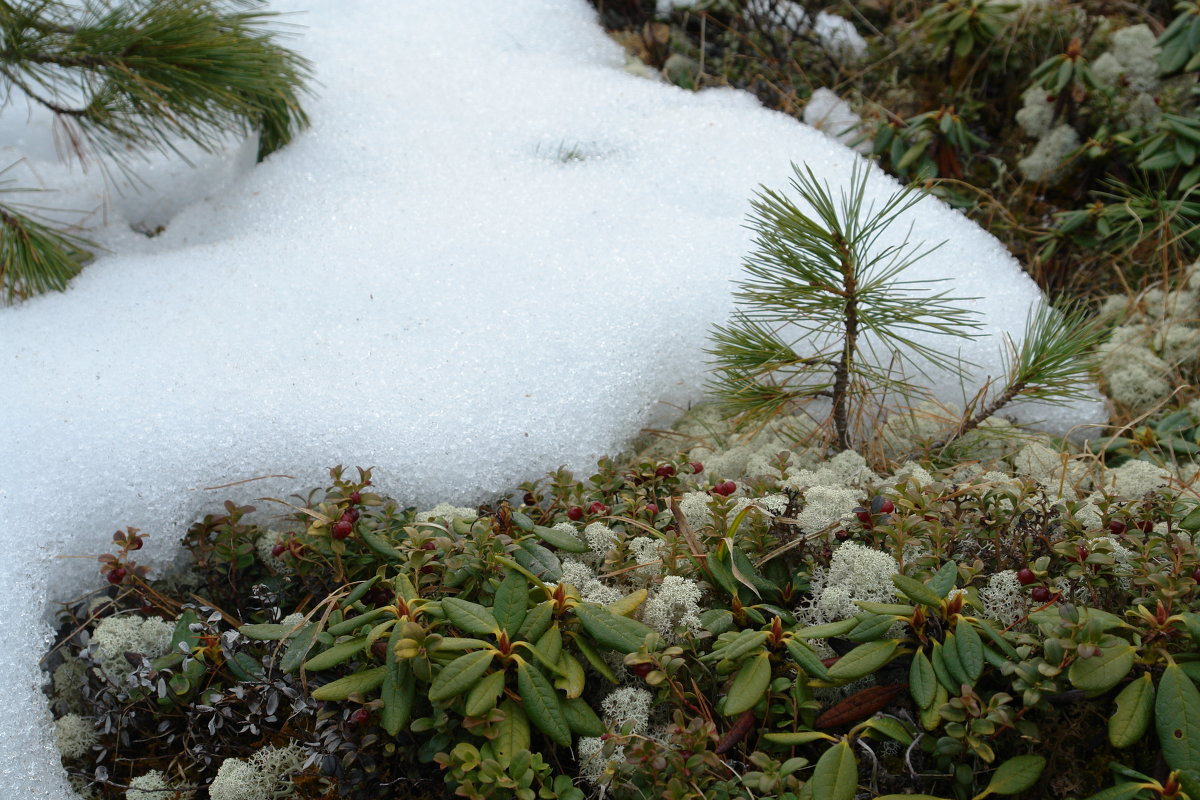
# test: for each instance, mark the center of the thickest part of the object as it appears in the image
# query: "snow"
(494, 253)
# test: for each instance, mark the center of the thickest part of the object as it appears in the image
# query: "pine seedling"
(825, 311)
(134, 76)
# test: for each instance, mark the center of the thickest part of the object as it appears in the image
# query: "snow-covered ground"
(494, 253)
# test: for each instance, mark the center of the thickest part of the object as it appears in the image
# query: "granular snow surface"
(494, 253)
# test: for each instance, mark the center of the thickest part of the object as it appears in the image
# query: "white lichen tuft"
(675, 604)
(1003, 599)
(1133, 479)
(856, 572)
(115, 636)
(600, 538)
(591, 590)
(628, 705)
(263, 777)
(75, 735)
(1048, 157)
(826, 506)
(1036, 116)
(694, 506)
(448, 512)
(155, 786)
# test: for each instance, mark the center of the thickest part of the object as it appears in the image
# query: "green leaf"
(581, 719)
(595, 659)
(358, 683)
(538, 560)
(629, 603)
(470, 617)
(336, 654)
(567, 542)
(872, 627)
(573, 679)
(894, 609)
(266, 632)
(512, 734)
(537, 620)
(243, 666)
(378, 545)
(909, 797)
(836, 774)
(892, 728)
(863, 660)
(750, 685)
(610, 630)
(1177, 718)
(484, 694)
(1122, 791)
(1135, 707)
(399, 691)
(298, 647)
(511, 601)
(1103, 671)
(916, 591)
(745, 642)
(922, 683)
(541, 704)
(794, 738)
(970, 649)
(826, 631)
(944, 579)
(1015, 775)
(806, 659)
(460, 675)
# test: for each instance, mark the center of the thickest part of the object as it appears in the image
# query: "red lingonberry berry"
(652, 508)
(1081, 552)
(342, 529)
(360, 717)
(725, 489)
(351, 515)
(598, 508)
(355, 498)
(641, 670)
(1026, 576)
(117, 575)
(134, 543)
(863, 515)
(1196, 574)
(428, 569)
(842, 535)
(428, 546)
(1145, 526)
(887, 507)
(697, 467)
(575, 513)
(1040, 594)
(1116, 527)
(529, 499)
(278, 550)
(665, 471)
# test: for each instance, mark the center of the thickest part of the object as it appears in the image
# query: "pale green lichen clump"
(263, 777)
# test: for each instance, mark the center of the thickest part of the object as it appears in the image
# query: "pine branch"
(36, 258)
(146, 72)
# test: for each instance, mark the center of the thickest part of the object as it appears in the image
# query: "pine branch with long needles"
(134, 76)
(1051, 365)
(824, 310)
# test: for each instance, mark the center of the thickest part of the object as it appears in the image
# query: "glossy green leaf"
(1015, 775)
(629, 603)
(890, 727)
(1122, 791)
(359, 682)
(750, 685)
(510, 602)
(836, 774)
(541, 704)
(567, 542)
(827, 630)
(243, 666)
(460, 675)
(922, 683)
(470, 617)
(871, 627)
(572, 679)
(916, 591)
(538, 560)
(895, 609)
(1103, 671)
(485, 694)
(378, 544)
(1135, 707)
(595, 659)
(537, 620)
(266, 631)
(746, 642)
(359, 592)
(863, 660)
(1177, 718)
(610, 630)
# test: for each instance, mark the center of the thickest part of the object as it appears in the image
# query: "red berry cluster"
(116, 568)
(345, 526)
